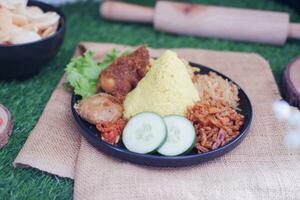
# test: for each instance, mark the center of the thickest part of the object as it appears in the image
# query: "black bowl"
(119, 151)
(24, 60)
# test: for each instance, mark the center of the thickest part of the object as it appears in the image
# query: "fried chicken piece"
(99, 108)
(124, 73)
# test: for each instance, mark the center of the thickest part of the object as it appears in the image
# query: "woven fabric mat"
(259, 168)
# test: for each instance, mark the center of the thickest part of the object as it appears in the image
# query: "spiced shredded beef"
(111, 131)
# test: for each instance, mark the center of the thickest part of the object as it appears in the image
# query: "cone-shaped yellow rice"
(166, 89)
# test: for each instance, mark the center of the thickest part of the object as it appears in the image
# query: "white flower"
(282, 110)
(294, 119)
(292, 140)
(285, 113)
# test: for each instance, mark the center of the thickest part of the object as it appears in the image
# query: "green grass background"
(27, 99)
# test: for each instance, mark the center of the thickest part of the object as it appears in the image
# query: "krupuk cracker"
(20, 23)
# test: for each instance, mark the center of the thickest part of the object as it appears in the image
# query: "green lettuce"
(83, 72)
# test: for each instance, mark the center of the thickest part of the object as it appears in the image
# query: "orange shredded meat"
(215, 122)
(111, 131)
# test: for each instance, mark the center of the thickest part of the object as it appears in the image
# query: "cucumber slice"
(181, 136)
(144, 133)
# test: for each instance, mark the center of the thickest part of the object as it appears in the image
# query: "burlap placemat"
(260, 168)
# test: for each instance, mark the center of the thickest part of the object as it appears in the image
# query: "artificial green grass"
(27, 99)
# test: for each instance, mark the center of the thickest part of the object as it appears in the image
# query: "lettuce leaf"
(83, 72)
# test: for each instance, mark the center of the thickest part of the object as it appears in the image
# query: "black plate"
(91, 134)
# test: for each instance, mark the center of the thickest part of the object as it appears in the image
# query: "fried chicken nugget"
(99, 108)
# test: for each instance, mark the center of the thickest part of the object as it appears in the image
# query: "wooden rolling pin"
(208, 21)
